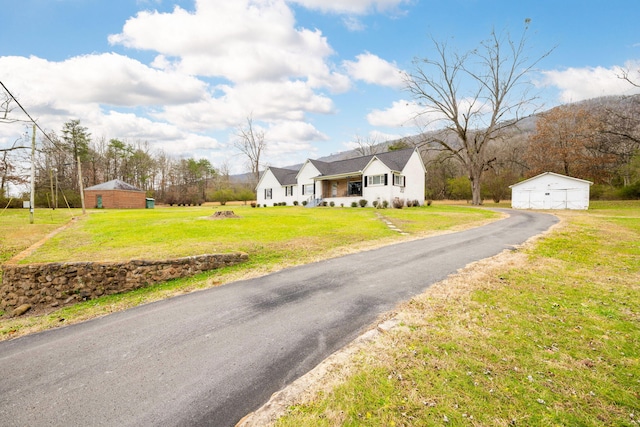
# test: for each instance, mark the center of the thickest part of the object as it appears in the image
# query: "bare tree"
(251, 143)
(496, 95)
(625, 74)
(366, 146)
(6, 108)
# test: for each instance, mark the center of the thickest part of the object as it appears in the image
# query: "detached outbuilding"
(115, 194)
(551, 191)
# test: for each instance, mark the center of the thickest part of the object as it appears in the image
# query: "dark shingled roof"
(394, 160)
(285, 176)
(114, 184)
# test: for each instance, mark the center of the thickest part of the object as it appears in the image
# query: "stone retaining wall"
(56, 284)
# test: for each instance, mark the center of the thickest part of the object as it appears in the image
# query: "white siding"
(414, 172)
(551, 191)
(305, 178)
(269, 181)
(380, 191)
(414, 182)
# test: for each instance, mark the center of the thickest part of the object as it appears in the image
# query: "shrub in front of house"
(385, 204)
(363, 203)
(375, 203)
(304, 203)
(295, 203)
(253, 204)
(324, 203)
(398, 203)
(354, 204)
(332, 204)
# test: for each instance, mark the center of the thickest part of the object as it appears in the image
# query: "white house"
(277, 185)
(550, 191)
(386, 176)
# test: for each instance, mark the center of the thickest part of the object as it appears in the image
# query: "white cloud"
(372, 69)
(229, 106)
(401, 114)
(577, 84)
(358, 7)
(353, 24)
(240, 40)
(107, 79)
(292, 131)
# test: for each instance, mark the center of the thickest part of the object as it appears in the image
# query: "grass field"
(548, 335)
(545, 335)
(274, 238)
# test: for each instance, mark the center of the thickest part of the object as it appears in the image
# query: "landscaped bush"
(332, 204)
(354, 204)
(398, 203)
(385, 204)
(295, 203)
(253, 204)
(304, 203)
(363, 203)
(375, 203)
(324, 203)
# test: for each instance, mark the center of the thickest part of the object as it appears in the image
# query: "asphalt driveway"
(209, 358)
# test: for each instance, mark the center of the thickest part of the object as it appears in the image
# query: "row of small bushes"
(397, 204)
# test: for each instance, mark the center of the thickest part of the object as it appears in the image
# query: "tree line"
(596, 140)
(171, 180)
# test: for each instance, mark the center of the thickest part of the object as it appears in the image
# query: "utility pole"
(53, 197)
(33, 174)
(80, 185)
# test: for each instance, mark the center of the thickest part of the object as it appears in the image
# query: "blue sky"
(315, 75)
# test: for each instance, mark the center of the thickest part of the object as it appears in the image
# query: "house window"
(377, 179)
(354, 188)
(398, 180)
(308, 189)
(288, 190)
(267, 193)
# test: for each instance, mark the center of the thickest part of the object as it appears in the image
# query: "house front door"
(99, 202)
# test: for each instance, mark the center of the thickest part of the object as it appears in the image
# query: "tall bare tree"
(251, 143)
(474, 97)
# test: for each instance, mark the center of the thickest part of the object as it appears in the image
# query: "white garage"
(551, 191)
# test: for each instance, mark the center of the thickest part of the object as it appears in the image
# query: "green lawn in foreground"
(273, 237)
(552, 340)
(264, 233)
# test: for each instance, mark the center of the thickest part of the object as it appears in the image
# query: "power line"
(30, 118)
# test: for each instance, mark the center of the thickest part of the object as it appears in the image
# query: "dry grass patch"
(547, 335)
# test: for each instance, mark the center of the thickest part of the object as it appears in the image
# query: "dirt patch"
(223, 215)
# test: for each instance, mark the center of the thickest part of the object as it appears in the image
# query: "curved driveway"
(209, 358)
